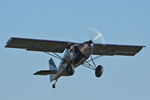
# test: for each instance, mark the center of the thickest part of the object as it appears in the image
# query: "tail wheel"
(53, 86)
(99, 71)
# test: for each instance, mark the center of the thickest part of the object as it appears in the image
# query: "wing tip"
(9, 42)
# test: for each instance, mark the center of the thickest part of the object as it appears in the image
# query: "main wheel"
(70, 69)
(99, 71)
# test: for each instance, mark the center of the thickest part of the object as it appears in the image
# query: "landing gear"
(70, 69)
(99, 71)
(54, 85)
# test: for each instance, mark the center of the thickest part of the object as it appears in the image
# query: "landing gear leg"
(53, 86)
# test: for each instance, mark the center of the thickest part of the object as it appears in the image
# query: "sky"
(120, 21)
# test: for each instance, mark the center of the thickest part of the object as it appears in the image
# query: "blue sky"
(120, 21)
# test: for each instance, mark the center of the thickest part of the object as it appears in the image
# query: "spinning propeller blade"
(95, 35)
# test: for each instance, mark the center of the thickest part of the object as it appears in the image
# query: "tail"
(53, 67)
(52, 70)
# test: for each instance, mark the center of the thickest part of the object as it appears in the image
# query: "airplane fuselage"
(73, 57)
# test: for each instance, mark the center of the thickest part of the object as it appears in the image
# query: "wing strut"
(94, 58)
(93, 62)
(90, 66)
(51, 54)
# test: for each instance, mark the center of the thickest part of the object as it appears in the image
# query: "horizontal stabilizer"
(45, 72)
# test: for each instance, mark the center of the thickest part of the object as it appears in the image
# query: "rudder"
(52, 66)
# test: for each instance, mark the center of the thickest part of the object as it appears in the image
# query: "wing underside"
(113, 49)
(60, 46)
(37, 44)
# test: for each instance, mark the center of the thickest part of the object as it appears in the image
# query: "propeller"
(96, 36)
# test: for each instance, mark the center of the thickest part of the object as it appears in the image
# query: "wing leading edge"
(113, 49)
(37, 44)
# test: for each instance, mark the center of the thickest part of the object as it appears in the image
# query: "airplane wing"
(113, 49)
(37, 44)
(60, 46)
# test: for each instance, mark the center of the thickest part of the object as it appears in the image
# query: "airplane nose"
(86, 48)
(90, 41)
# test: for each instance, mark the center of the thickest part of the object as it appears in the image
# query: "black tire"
(70, 69)
(53, 86)
(99, 71)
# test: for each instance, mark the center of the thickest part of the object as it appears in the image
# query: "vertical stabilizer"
(52, 66)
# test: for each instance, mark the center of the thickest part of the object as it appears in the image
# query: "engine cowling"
(70, 69)
(99, 71)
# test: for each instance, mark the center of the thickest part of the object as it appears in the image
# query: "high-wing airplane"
(75, 54)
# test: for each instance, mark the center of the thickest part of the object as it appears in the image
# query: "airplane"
(75, 54)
